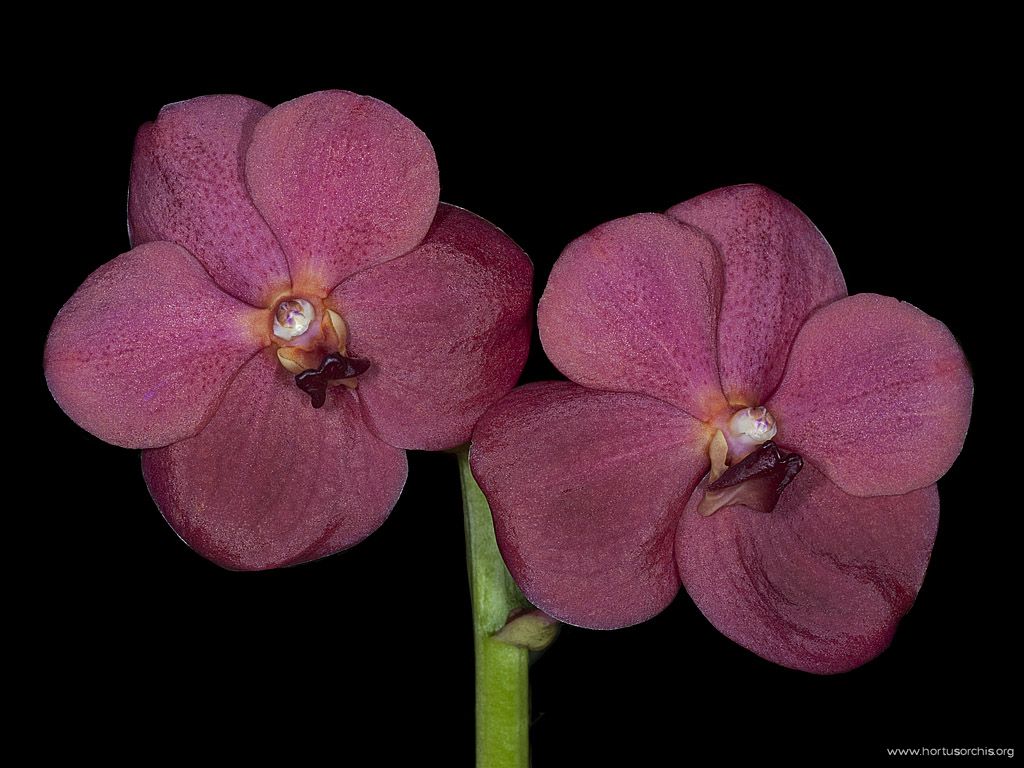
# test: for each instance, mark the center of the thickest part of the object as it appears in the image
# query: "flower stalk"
(502, 683)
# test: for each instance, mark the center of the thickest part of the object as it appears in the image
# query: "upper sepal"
(344, 181)
(778, 269)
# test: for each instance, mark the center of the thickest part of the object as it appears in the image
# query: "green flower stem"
(502, 684)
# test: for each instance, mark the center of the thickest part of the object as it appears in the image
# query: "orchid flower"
(735, 424)
(296, 312)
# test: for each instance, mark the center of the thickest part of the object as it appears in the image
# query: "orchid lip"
(755, 482)
(335, 368)
(312, 346)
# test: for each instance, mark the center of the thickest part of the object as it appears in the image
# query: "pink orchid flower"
(297, 310)
(736, 424)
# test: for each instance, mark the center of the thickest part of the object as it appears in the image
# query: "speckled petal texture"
(632, 306)
(778, 269)
(820, 583)
(446, 328)
(345, 182)
(141, 353)
(187, 187)
(877, 394)
(586, 488)
(273, 482)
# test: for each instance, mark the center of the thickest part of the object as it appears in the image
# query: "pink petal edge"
(142, 352)
(778, 269)
(446, 328)
(586, 489)
(820, 583)
(273, 482)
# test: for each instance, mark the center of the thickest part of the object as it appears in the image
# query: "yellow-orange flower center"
(311, 343)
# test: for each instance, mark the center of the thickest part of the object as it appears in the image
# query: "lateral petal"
(446, 328)
(142, 352)
(877, 394)
(632, 306)
(188, 187)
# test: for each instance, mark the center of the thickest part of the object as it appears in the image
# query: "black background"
(139, 644)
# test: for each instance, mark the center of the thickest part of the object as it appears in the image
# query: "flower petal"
(818, 584)
(778, 269)
(446, 328)
(586, 488)
(141, 353)
(877, 394)
(187, 187)
(632, 306)
(272, 481)
(345, 181)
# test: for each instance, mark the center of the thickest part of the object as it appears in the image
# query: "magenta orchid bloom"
(297, 310)
(737, 424)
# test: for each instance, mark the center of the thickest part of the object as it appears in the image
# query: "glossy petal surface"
(818, 584)
(778, 269)
(632, 306)
(188, 187)
(586, 488)
(446, 328)
(345, 182)
(877, 394)
(141, 353)
(272, 481)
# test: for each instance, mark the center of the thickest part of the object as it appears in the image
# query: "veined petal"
(345, 182)
(877, 394)
(778, 269)
(586, 489)
(272, 482)
(141, 353)
(632, 306)
(818, 584)
(187, 187)
(446, 328)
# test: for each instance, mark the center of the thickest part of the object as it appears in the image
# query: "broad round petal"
(142, 352)
(877, 394)
(586, 489)
(446, 329)
(778, 269)
(345, 182)
(187, 187)
(272, 481)
(632, 306)
(817, 584)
